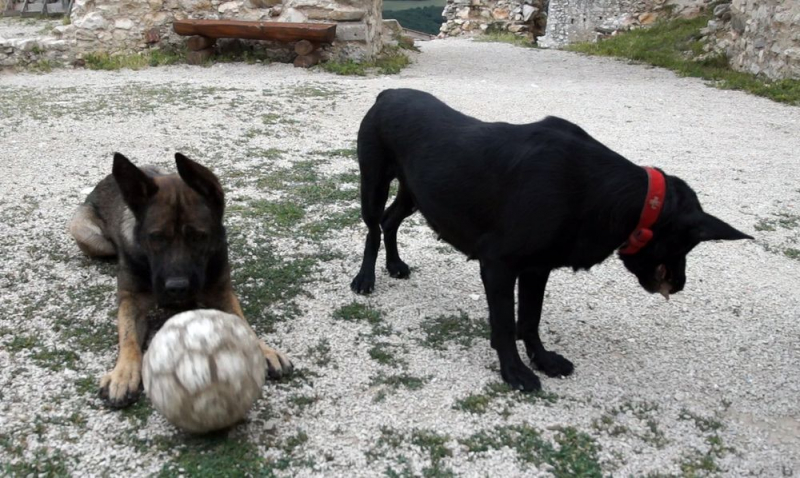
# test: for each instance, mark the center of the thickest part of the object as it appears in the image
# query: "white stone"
(91, 21)
(229, 7)
(351, 32)
(123, 23)
(527, 12)
(293, 15)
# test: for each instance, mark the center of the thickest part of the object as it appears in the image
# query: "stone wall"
(559, 22)
(131, 26)
(761, 37)
(465, 17)
(571, 21)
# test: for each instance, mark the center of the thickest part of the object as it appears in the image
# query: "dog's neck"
(613, 208)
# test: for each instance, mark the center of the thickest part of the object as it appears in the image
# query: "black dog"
(523, 200)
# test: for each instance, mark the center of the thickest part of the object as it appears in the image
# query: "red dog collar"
(656, 191)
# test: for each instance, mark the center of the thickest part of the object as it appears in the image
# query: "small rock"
(123, 24)
(721, 10)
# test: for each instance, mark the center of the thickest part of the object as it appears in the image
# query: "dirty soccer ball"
(204, 370)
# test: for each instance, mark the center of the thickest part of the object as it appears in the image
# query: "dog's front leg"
(532, 283)
(278, 365)
(498, 281)
(121, 387)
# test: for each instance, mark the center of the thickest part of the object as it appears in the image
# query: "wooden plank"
(279, 31)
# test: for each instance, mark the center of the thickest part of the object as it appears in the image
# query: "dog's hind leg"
(87, 230)
(401, 208)
(376, 176)
(498, 281)
(532, 283)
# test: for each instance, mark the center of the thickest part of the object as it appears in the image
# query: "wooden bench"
(204, 33)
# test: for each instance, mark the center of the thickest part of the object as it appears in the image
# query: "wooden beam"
(279, 31)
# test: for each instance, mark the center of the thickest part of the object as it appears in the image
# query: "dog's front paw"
(363, 283)
(553, 364)
(398, 269)
(278, 364)
(122, 386)
(519, 377)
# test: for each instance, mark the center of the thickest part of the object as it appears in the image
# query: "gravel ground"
(705, 384)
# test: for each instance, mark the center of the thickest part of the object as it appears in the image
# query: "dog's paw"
(363, 283)
(519, 377)
(278, 364)
(553, 364)
(122, 386)
(398, 269)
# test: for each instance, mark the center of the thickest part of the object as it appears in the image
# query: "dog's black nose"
(177, 286)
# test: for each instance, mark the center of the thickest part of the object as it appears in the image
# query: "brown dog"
(167, 234)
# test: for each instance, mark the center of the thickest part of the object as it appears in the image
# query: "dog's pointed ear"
(202, 180)
(710, 228)
(136, 187)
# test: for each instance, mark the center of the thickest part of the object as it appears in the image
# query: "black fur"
(521, 199)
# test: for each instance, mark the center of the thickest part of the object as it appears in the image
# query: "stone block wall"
(761, 37)
(464, 17)
(131, 26)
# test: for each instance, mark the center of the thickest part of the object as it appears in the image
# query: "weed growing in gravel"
(577, 454)
(320, 354)
(391, 61)
(460, 329)
(268, 281)
(390, 383)
(672, 44)
(155, 57)
(479, 403)
(704, 462)
(44, 463)
(394, 444)
(358, 312)
(384, 354)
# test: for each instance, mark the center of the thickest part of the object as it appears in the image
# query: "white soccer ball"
(203, 370)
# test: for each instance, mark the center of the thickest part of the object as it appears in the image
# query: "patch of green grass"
(383, 353)
(390, 62)
(506, 37)
(338, 153)
(347, 67)
(479, 403)
(333, 222)
(576, 455)
(702, 423)
(358, 312)
(792, 253)
(217, 455)
(673, 44)
(21, 342)
(155, 57)
(56, 359)
(283, 214)
(391, 383)
(304, 401)
(268, 281)
(320, 354)
(44, 464)
(764, 225)
(392, 444)
(139, 412)
(460, 329)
